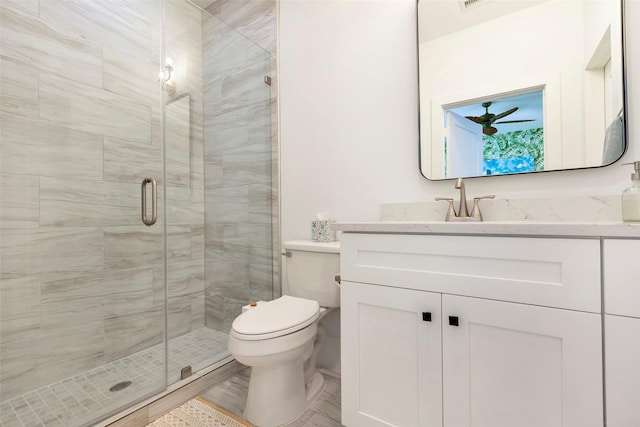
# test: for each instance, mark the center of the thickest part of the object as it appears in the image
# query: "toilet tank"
(311, 271)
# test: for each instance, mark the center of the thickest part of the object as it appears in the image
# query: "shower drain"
(120, 386)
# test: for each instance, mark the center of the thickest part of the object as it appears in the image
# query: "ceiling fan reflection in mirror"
(487, 120)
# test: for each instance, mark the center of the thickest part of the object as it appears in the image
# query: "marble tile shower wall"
(240, 166)
(81, 122)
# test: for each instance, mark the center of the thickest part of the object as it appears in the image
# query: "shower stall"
(138, 198)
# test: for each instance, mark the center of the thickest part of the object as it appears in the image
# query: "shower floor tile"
(77, 400)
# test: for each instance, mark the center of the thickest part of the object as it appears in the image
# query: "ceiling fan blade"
(478, 120)
(515, 121)
(501, 115)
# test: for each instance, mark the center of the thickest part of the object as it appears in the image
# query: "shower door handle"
(154, 201)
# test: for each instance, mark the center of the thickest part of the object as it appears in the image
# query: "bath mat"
(199, 413)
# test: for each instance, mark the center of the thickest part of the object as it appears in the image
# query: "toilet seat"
(276, 318)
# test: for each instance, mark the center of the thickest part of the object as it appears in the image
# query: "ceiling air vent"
(466, 4)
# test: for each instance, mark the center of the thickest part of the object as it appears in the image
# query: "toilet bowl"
(280, 339)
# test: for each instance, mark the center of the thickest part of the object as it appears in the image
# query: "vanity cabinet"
(470, 331)
(622, 331)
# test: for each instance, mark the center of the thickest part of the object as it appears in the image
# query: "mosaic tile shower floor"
(76, 401)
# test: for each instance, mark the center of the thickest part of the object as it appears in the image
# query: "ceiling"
(441, 17)
(204, 3)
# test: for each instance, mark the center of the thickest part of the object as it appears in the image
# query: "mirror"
(519, 86)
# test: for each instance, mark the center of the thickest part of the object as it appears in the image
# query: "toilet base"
(272, 402)
(314, 387)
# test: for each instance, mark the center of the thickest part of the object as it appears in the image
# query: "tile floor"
(324, 412)
(77, 400)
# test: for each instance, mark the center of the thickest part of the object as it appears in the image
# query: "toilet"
(280, 339)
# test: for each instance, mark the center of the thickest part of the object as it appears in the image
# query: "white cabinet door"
(391, 357)
(622, 356)
(510, 364)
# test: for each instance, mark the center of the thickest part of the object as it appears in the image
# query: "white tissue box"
(321, 231)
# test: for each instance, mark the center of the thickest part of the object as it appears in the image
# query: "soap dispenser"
(631, 196)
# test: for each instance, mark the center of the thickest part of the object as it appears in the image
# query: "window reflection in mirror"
(479, 51)
(497, 136)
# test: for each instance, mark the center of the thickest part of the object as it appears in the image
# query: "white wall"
(349, 117)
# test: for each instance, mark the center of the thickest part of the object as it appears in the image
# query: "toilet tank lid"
(311, 246)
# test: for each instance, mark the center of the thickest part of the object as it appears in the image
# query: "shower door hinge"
(267, 80)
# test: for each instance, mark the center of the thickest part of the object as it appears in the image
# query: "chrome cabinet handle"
(154, 201)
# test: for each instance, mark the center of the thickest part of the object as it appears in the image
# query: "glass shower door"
(82, 278)
(219, 183)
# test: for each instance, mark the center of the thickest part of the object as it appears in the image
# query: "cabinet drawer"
(563, 273)
(621, 277)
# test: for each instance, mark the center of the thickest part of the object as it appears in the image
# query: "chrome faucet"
(463, 212)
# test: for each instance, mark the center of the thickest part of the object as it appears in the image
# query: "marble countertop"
(496, 228)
